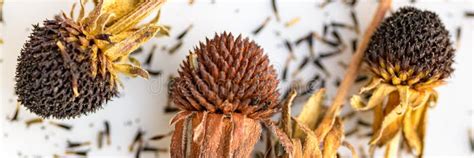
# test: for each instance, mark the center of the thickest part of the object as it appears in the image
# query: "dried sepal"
(310, 113)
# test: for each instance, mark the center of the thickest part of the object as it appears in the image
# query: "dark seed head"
(227, 75)
(411, 47)
(45, 76)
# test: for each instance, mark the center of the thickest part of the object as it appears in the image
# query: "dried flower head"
(225, 87)
(411, 47)
(410, 54)
(69, 67)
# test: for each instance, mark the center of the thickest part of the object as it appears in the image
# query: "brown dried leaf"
(286, 113)
(284, 139)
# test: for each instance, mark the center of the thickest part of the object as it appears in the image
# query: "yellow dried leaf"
(130, 70)
(388, 119)
(379, 95)
(134, 16)
(310, 113)
(333, 139)
(374, 82)
(409, 131)
(391, 150)
(125, 47)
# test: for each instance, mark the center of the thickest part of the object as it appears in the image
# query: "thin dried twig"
(351, 74)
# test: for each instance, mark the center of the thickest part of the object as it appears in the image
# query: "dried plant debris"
(33, 121)
(81, 57)
(107, 132)
(175, 47)
(15, 114)
(292, 22)
(150, 55)
(100, 139)
(355, 21)
(77, 153)
(259, 28)
(1, 11)
(137, 141)
(71, 144)
(471, 139)
(61, 125)
(160, 136)
(402, 83)
(275, 10)
(300, 138)
(458, 37)
(170, 107)
(469, 14)
(184, 33)
(354, 44)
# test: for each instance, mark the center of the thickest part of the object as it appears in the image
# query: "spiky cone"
(301, 131)
(409, 55)
(225, 88)
(69, 66)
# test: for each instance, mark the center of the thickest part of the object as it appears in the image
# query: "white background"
(142, 101)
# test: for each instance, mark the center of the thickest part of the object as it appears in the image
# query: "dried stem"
(352, 71)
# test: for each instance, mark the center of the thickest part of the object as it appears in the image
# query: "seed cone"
(227, 75)
(224, 89)
(44, 74)
(411, 47)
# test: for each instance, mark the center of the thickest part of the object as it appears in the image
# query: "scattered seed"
(77, 144)
(362, 123)
(264, 23)
(175, 47)
(323, 4)
(137, 140)
(354, 45)
(355, 21)
(471, 139)
(289, 46)
(15, 114)
(361, 78)
(154, 72)
(325, 30)
(182, 34)
(301, 66)
(100, 139)
(139, 50)
(33, 121)
(107, 132)
(336, 35)
(469, 14)
(275, 10)
(318, 64)
(77, 153)
(160, 136)
(329, 54)
(458, 37)
(150, 55)
(61, 125)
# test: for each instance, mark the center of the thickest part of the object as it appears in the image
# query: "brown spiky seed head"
(411, 47)
(227, 75)
(45, 75)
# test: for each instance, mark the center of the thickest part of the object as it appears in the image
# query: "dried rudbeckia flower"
(69, 67)
(225, 88)
(409, 55)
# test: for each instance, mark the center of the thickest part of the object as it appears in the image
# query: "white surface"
(142, 101)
